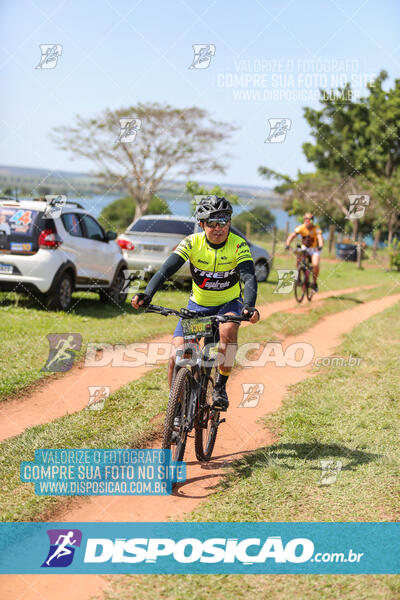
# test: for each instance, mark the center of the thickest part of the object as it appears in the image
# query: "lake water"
(95, 205)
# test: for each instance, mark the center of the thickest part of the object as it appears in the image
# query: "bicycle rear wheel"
(206, 427)
(175, 432)
(300, 284)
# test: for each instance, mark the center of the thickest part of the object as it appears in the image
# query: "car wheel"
(262, 270)
(114, 295)
(60, 298)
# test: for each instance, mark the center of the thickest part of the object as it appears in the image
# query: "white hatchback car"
(49, 251)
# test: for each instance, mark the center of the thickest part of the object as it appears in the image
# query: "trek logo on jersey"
(63, 543)
(214, 280)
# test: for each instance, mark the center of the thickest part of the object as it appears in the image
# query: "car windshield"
(163, 226)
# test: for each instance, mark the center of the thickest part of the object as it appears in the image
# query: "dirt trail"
(241, 433)
(70, 393)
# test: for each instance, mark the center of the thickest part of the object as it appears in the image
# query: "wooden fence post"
(286, 231)
(274, 236)
(331, 242)
(355, 230)
(377, 235)
(359, 251)
(248, 230)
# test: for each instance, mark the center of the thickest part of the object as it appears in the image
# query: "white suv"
(50, 250)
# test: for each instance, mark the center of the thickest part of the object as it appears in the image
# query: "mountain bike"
(302, 286)
(190, 404)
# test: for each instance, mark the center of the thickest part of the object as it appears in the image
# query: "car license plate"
(6, 269)
(152, 248)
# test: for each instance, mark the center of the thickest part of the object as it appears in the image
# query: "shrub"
(119, 214)
(394, 253)
(260, 218)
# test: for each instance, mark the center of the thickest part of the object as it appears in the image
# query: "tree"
(356, 150)
(260, 218)
(362, 137)
(168, 142)
(195, 189)
(118, 214)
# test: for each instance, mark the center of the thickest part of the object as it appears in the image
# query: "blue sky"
(119, 52)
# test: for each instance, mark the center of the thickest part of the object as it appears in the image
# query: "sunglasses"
(212, 223)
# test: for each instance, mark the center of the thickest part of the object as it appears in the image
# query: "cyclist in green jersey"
(219, 259)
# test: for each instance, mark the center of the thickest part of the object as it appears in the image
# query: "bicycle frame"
(304, 260)
(199, 364)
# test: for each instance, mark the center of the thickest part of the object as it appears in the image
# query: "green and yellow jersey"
(214, 271)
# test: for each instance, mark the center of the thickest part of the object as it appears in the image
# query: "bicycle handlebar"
(185, 313)
(298, 249)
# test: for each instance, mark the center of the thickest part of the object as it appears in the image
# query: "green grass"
(126, 420)
(344, 413)
(347, 414)
(25, 324)
(259, 587)
(282, 324)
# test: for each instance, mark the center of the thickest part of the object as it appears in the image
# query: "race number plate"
(196, 327)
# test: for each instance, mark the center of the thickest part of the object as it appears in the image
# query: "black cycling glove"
(251, 310)
(145, 297)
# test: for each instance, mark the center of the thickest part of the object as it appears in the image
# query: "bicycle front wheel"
(206, 427)
(310, 291)
(175, 431)
(300, 285)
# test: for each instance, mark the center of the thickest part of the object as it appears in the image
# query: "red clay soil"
(69, 394)
(241, 433)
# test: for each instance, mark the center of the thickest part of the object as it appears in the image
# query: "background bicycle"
(302, 286)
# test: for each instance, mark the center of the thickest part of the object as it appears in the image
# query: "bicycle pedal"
(221, 421)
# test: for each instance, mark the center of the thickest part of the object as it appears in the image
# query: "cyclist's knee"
(177, 343)
(228, 335)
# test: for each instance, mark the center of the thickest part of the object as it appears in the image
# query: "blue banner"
(247, 548)
(100, 472)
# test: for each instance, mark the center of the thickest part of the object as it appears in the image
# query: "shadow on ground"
(85, 306)
(343, 297)
(287, 456)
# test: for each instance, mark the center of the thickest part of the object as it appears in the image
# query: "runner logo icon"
(62, 547)
(203, 54)
(50, 55)
(278, 129)
(62, 352)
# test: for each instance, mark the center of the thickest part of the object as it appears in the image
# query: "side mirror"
(111, 235)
